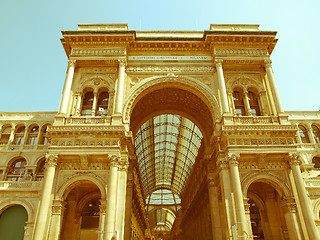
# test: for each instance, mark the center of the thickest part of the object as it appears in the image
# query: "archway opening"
(12, 223)
(266, 212)
(81, 218)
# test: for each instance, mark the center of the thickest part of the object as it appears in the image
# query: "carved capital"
(103, 209)
(289, 205)
(123, 165)
(122, 62)
(294, 159)
(211, 182)
(222, 163)
(114, 160)
(58, 207)
(52, 159)
(218, 62)
(233, 158)
(267, 63)
(72, 63)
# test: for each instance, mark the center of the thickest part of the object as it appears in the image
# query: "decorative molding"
(240, 51)
(52, 160)
(97, 51)
(160, 69)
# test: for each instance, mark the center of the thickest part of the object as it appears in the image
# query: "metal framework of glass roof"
(166, 147)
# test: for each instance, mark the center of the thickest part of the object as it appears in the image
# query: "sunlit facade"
(162, 135)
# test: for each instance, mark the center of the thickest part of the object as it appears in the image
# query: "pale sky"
(33, 62)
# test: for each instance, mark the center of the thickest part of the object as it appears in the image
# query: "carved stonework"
(167, 69)
(52, 159)
(58, 207)
(241, 51)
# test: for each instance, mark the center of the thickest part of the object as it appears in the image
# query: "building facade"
(162, 135)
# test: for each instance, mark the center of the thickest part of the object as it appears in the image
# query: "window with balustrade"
(19, 135)
(315, 133)
(303, 134)
(33, 132)
(16, 170)
(40, 169)
(238, 102)
(43, 135)
(5, 134)
(103, 101)
(254, 103)
(87, 102)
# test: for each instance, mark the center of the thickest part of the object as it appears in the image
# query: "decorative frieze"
(97, 51)
(260, 141)
(255, 120)
(88, 120)
(240, 51)
(84, 142)
(176, 69)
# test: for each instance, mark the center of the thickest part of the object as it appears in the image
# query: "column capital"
(103, 208)
(58, 207)
(289, 205)
(71, 63)
(114, 160)
(267, 62)
(294, 159)
(52, 159)
(122, 62)
(222, 163)
(218, 62)
(233, 158)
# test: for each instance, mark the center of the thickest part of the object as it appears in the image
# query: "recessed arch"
(23, 202)
(273, 181)
(74, 180)
(195, 88)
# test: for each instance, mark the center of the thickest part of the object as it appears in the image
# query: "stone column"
(56, 220)
(121, 200)
(43, 210)
(247, 104)
(94, 104)
(231, 102)
(222, 87)
(78, 106)
(120, 87)
(226, 197)
(112, 197)
(67, 87)
(127, 230)
(290, 214)
(261, 103)
(102, 219)
(236, 185)
(303, 198)
(273, 86)
(11, 138)
(310, 134)
(214, 209)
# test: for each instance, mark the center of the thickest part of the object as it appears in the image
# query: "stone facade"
(109, 164)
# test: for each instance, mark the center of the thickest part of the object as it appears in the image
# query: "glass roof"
(166, 147)
(161, 219)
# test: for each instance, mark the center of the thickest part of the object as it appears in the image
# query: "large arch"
(272, 180)
(201, 93)
(23, 202)
(74, 180)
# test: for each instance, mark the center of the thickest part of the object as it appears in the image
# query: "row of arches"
(21, 134)
(309, 133)
(16, 170)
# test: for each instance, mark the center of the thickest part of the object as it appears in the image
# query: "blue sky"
(33, 62)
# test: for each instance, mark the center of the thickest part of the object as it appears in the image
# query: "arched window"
(43, 139)
(316, 161)
(103, 101)
(40, 169)
(19, 136)
(33, 135)
(238, 102)
(254, 103)
(5, 135)
(316, 133)
(16, 170)
(87, 103)
(303, 134)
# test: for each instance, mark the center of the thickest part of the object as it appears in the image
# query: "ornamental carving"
(97, 51)
(243, 81)
(240, 51)
(52, 159)
(175, 69)
(97, 81)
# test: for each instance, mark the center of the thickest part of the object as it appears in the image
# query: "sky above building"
(33, 62)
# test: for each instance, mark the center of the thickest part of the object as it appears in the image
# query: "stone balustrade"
(12, 185)
(255, 120)
(88, 120)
